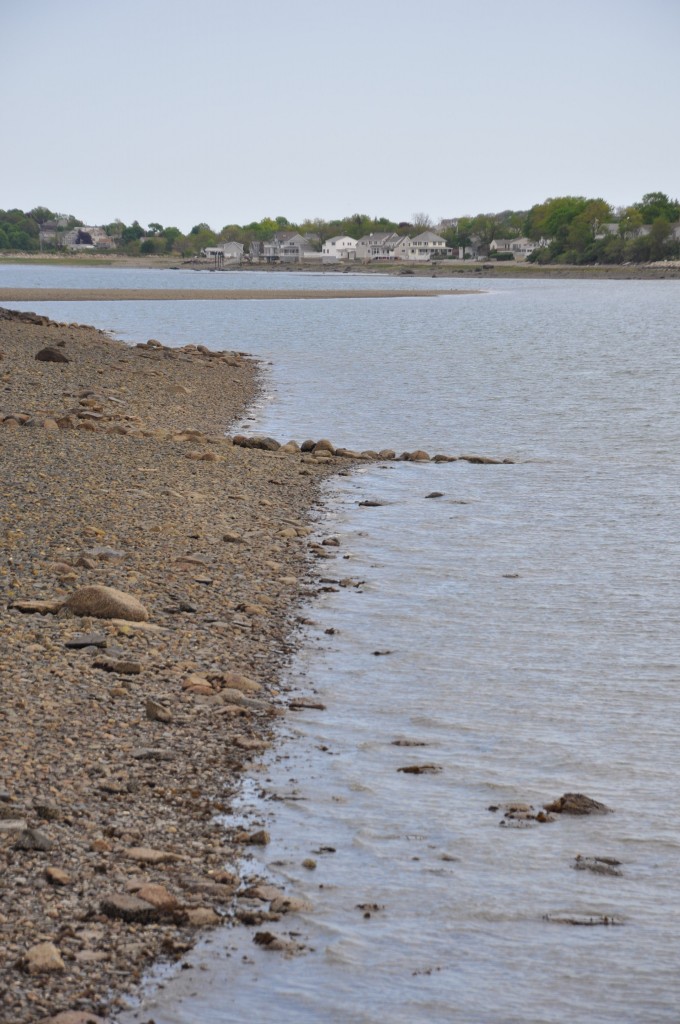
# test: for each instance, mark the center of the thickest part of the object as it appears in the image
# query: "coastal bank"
(123, 737)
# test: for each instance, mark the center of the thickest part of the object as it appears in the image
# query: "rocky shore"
(122, 737)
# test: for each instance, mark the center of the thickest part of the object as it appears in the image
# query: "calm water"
(532, 618)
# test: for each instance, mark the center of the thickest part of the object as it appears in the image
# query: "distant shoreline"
(454, 268)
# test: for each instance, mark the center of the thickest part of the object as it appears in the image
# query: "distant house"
(519, 247)
(340, 247)
(228, 251)
(426, 246)
(378, 245)
(287, 247)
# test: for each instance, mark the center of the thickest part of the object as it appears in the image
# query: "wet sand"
(121, 740)
(125, 294)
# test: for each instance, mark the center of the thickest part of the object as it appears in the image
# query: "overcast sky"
(227, 112)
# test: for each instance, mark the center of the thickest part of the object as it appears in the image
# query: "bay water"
(528, 628)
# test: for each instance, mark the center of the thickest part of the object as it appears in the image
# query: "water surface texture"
(531, 615)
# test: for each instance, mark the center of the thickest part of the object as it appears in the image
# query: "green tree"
(132, 233)
(657, 204)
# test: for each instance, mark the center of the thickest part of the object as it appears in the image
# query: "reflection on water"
(531, 616)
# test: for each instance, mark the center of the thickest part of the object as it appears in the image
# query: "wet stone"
(577, 804)
(129, 908)
(598, 865)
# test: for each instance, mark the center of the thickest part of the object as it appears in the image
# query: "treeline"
(570, 229)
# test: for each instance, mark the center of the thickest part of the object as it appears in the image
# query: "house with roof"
(340, 247)
(378, 245)
(287, 247)
(231, 252)
(520, 248)
(426, 246)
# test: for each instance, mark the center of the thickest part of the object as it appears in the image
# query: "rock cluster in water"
(325, 449)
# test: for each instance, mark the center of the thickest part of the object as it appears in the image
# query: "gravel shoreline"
(121, 740)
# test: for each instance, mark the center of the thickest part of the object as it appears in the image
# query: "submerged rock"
(576, 803)
(598, 865)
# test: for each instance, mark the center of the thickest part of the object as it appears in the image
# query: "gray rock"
(33, 839)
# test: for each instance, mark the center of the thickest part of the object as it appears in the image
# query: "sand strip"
(140, 294)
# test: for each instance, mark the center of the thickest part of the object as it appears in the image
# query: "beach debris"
(306, 704)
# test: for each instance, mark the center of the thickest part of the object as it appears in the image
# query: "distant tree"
(545, 220)
(155, 228)
(630, 222)
(132, 233)
(484, 227)
(658, 239)
(657, 204)
(421, 222)
(148, 247)
(282, 222)
(115, 229)
(41, 215)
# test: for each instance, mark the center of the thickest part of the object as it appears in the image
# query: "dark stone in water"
(576, 803)
(420, 769)
(584, 920)
(598, 865)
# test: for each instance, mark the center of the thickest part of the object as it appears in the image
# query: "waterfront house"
(287, 247)
(340, 247)
(229, 251)
(378, 245)
(425, 246)
(519, 247)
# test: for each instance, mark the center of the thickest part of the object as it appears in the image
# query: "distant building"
(287, 247)
(426, 246)
(378, 245)
(230, 252)
(519, 247)
(340, 247)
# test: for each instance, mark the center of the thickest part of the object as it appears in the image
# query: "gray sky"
(227, 112)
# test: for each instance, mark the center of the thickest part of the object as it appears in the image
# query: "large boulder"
(51, 355)
(106, 603)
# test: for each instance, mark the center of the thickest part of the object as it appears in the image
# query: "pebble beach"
(151, 572)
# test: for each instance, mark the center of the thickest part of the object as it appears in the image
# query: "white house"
(519, 247)
(232, 251)
(340, 247)
(426, 246)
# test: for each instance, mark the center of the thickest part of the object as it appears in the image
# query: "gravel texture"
(121, 740)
